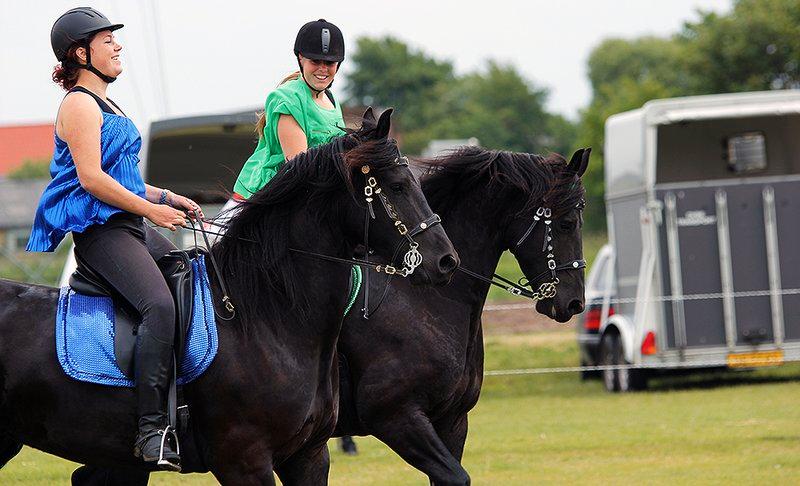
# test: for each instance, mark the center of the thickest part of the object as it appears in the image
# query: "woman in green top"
(301, 112)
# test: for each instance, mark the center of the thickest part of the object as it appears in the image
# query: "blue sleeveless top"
(65, 205)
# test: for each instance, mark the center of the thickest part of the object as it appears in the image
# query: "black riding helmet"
(319, 40)
(77, 26)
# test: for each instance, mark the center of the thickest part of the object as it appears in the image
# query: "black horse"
(413, 370)
(269, 399)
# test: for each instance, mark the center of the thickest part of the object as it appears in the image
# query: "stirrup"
(162, 462)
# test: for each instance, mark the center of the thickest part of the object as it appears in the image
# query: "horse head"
(401, 227)
(545, 238)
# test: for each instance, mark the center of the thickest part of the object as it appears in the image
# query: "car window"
(597, 276)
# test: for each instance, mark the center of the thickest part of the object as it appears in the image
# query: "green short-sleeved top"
(320, 126)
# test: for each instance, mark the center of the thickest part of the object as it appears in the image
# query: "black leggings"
(124, 251)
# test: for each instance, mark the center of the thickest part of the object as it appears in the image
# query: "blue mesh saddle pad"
(85, 335)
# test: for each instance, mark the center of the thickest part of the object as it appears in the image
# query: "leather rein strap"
(546, 289)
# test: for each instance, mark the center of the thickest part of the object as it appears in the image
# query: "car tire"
(609, 354)
(622, 380)
(588, 375)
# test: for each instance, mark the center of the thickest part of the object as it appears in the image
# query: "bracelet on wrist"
(163, 198)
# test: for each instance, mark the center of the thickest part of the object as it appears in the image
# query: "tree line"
(755, 46)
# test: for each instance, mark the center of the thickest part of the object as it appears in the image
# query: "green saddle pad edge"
(356, 287)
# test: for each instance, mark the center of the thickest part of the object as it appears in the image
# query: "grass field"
(731, 428)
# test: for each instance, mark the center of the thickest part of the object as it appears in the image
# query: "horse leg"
(453, 432)
(242, 475)
(308, 467)
(414, 438)
(8, 449)
(100, 476)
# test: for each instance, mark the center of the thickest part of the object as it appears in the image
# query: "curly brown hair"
(65, 74)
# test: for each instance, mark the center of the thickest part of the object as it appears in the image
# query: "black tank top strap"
(327, 93)
(103, 105)
(116, 106)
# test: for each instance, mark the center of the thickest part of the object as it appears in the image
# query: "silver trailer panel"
(723, 237)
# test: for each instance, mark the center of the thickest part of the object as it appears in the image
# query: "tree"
(497, 104)
(388, 73)
(755, 47)
(31, 169)
(625, 74)
(502, 109)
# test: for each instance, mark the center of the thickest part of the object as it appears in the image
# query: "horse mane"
(527, 181)
(254, 252)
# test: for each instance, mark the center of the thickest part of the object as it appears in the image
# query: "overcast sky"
(226, 55)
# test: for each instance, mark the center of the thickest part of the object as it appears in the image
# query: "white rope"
(664, 298)
(743, 363)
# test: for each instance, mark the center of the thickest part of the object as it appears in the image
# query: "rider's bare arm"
(79, 122)
(292, 138)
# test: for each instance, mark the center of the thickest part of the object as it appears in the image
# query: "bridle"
(413, 258)
(547, 289)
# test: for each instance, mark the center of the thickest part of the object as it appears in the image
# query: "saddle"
(176, 266)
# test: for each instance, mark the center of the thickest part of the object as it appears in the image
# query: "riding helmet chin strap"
(88, 66)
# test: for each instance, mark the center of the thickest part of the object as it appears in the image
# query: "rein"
(547, 289)
(411, 260)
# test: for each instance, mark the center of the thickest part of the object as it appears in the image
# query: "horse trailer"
(703, 207)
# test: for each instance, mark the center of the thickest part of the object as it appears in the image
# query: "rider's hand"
(166, 217)
(182, 202)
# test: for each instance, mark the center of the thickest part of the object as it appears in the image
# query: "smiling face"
(105, 53)
(318, 74)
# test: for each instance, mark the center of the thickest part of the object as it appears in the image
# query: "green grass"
(508, 268)
(730, 428)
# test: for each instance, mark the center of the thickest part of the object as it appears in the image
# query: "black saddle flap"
(177, 269)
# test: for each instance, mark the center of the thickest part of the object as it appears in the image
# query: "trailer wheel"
(610, 348)
(619, 380)
(630, 380)
(587, 375)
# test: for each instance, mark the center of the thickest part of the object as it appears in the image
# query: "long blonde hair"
(262, 117)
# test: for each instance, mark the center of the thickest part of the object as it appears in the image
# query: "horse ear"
(384, 124)
(585, 161)
(579, 161)
(369, 114)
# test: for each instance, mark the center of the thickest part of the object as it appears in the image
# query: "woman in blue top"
(98, 194)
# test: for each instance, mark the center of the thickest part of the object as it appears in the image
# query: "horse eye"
(396, 187)
(566, 226)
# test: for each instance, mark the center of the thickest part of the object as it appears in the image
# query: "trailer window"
(746, 152)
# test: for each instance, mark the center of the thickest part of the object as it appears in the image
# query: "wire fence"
(39, 268)
(741, 363)
(662, 298)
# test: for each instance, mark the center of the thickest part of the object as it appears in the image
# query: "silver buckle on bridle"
(547, 289)
(413, 257)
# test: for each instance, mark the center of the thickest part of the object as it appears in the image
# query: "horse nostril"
(575, 307)
(448, 263)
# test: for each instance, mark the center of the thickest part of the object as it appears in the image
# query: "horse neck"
(473, 228)
(324, 283)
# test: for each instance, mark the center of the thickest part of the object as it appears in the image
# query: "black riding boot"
(153, 364)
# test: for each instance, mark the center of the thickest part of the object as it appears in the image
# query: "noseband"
(547, 289)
